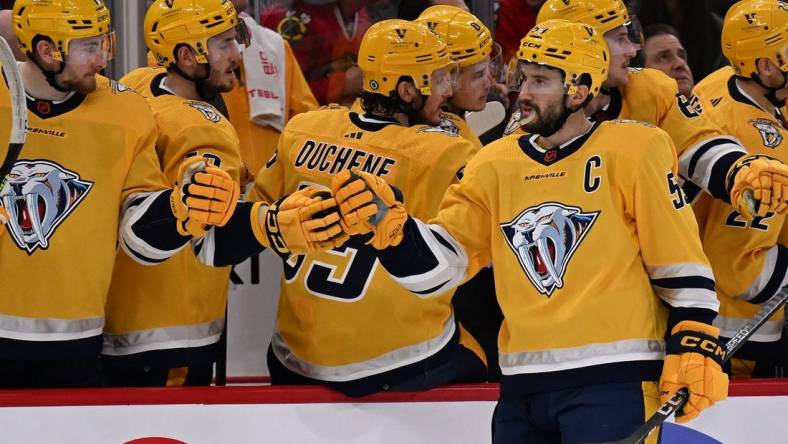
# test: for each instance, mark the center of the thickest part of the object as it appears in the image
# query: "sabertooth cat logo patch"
(544, 238)
(38, 196)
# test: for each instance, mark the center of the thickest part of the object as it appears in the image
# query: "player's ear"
(579, 97)
(184, 56)
(406, 91)
(764, 66)
(43, 49)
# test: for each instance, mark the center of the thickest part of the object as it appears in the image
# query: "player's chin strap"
(49, 74)
(199, 82)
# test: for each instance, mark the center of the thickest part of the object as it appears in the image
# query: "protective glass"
(85, 50)
(634, 30)
(497, 67)
(478, 75)
(445, 79)
(224, 45)
(516, 78)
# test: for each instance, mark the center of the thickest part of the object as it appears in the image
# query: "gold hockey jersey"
(749, 259)
(704, 152)
(453, 120)
(340, 315)
(65, 195)
(179, 303)
(576, 236)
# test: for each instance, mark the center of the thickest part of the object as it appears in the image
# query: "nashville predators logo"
(446, 126)
(38, 197)
(206, 110)
(544, 238)
(770, 135)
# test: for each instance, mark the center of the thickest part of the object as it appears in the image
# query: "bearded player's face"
(541, 98)
(224, 58)
(86, 57)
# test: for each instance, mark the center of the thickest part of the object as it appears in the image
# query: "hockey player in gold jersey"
(342, 321)
(750, 259)
(87, 181)
(164, 322)
(478, 57)
(574, 219)
(706, 155)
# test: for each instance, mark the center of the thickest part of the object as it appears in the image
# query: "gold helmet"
(574, 48)
(394, 48)
(466, 36)
(755, 29)
(169, 23)
(603, 15)
(60, 21)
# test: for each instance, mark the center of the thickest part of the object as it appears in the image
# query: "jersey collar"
(157, 87)
(46, 109)
(612, 110)
(738, 95)
(368, 123)
(549, 157)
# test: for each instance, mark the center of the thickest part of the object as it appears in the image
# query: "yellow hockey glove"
(212, 196)
(188, 168)
(694, 360)
(304, 222)
(767, 180)
(369, 204)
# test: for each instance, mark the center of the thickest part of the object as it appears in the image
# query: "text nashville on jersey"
(331, 158)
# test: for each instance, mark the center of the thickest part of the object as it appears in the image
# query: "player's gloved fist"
(369, 204)
(694, 359)
(188, 168)
(758, 185)
(211, 196)
(304, 222)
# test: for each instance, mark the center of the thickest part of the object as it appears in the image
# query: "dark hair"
(385, 105)
(656, 29)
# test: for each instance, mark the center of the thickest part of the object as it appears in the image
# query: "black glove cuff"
(696, 342)
(275, 240)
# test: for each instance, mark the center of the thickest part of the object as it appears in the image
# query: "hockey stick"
(16, 90)
(739, 339)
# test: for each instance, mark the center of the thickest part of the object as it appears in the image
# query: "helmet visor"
(98, 49)
(497, 68)
(445, 79)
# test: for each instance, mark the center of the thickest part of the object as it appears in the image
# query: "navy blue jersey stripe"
(684, 282)
(776, 280)
(703, 149)
(717, 185)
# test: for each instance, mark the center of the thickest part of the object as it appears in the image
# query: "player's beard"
(83, 85)
(548, 121)
(212, 85)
